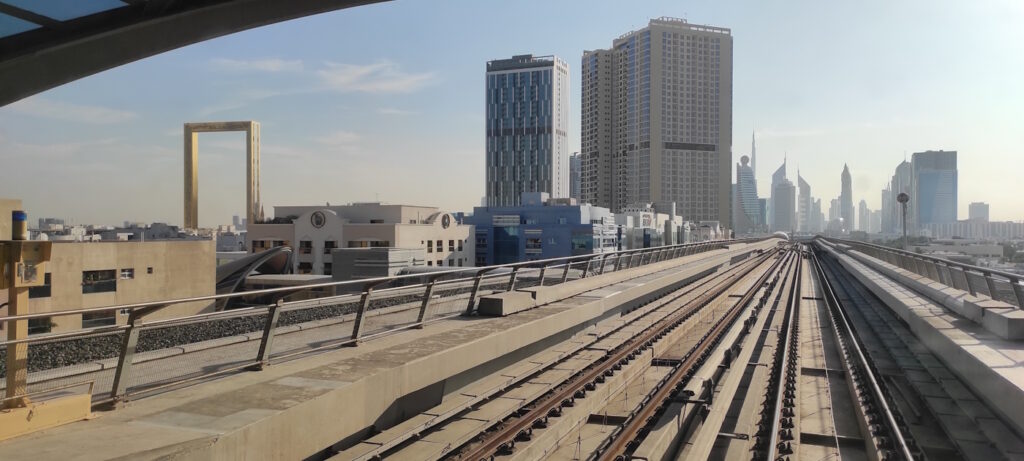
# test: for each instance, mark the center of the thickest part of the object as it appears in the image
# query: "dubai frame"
(252, 169)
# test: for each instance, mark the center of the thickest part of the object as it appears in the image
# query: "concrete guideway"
(291, 410)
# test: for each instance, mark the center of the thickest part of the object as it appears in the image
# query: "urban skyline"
(62, 133)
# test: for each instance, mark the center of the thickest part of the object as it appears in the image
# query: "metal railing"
(366, 308)
(973, 279)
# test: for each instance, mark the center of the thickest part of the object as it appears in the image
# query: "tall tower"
(783, 200)
(753, 153)
(846, 199)
(933, 187)
(804, 205)
(746, 210)
(657, 120)
(527, 125)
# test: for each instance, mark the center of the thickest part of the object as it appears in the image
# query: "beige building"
(97, 274)
(657, 121)
(7, 205)
(313, 231)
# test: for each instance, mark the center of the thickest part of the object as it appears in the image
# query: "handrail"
(359, 282)
(948, 262)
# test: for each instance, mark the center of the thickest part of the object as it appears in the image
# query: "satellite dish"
(903, 197)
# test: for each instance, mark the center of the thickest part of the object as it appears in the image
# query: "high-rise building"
(833, 210)
(875, 223)
(934, 187)
(863, 216)
(892, 214)
(656, 125)
(805, 203)
(527, 123)
(746, 210)
(846, 199)
(977, 211)
(819, 217)
(574, 175)
(783, 207)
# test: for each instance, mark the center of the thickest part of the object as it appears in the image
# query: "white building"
(314, 231)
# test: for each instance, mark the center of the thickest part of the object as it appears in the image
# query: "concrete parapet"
(502, 304)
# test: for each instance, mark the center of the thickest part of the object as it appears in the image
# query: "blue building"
(541, 228)
(934, 187)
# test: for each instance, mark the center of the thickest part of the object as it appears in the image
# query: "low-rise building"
(314, 231)
(541, 228)
(96, 274)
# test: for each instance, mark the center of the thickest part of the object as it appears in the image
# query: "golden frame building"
(252, 169)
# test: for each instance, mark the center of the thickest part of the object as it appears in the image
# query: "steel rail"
(505, 436)
(622, 440)
(789, 323)
(840, 320)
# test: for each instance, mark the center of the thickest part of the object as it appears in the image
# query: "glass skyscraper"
(934, 187)
(527, 123)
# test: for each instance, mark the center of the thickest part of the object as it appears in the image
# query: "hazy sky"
(386, 102)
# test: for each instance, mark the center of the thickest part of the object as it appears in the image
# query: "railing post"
(933, 271)
(427, 293)
(476, 288)
(565, 272)
(1018, 290)
(991, 285)
(124, 359)
(618, 261)
(604, 260)
(586, 270)
(364, 301)
(267, 342)
(512, 279)
(543, 269)
(970, 286)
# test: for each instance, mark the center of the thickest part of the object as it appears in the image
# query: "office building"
(574, 176)
(805, 202)
(934, 187)
(846, 200)
(892, 211)
(657, 120)
(783, 205)
(817, 216)
(977, 212)
(527, 121)
(541, 228)
(314, 231)
(863, 216)
(746, 209)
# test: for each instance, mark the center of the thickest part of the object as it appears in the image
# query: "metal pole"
(427, 293)
(565, 272)
(364, 301)
(604, 260)
(904, 225)
(587, 269)
(17, 304)
(512, 279)
(267, 342)
(476, 289)
(991, 285)
(125, 358)
(543, 269)
(1019, 291)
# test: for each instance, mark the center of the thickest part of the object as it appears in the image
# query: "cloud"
(45, 108)
(379, 77)
(260, 65)
(339, 139)
(394, 111)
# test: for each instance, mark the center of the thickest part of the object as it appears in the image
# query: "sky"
(385, 102)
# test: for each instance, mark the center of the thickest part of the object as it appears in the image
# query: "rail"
(950, 273)
(432, 296)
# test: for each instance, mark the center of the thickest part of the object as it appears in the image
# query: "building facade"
(657, 120)
(574, 175)
(783, 205)
(541, 228)
(934, 187)
(977, 212)
(527, 122)
(313, 232)
(81, 275)
(746, 209)
(805, 205)
(863, 216)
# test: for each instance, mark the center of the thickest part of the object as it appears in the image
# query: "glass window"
(98, 319)
(330, 245)
(149, 270)
(42, 291)
(127, 274)
(39, 326)
(306, 268)
(430, 246)
(99, 281)
(440, 245)
(328, 269)
(305, 247)
(460, 245)
(451, 245)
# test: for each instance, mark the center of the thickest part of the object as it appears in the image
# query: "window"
(440, 245)
(328, 269)
(440, 262)
(430, 263)
(330, 245)
(306, 268)
(40, 325)
(305, 247)
(149, 270)
(430, 246)
(127, 274)
(42, 291)
(460, 262)
(460, 245)
(98, 319)
(278, 243)
(451, 245)
(451, 263)
(99, 281)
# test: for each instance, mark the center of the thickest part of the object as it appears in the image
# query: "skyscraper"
(527, 123)
(819, 217)
(863, 216)
(804, 205)
(574, 175)
(892, 212)
(656, 125)
(746, 209)
(934, 187)
(846, 199)
(783, 202)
